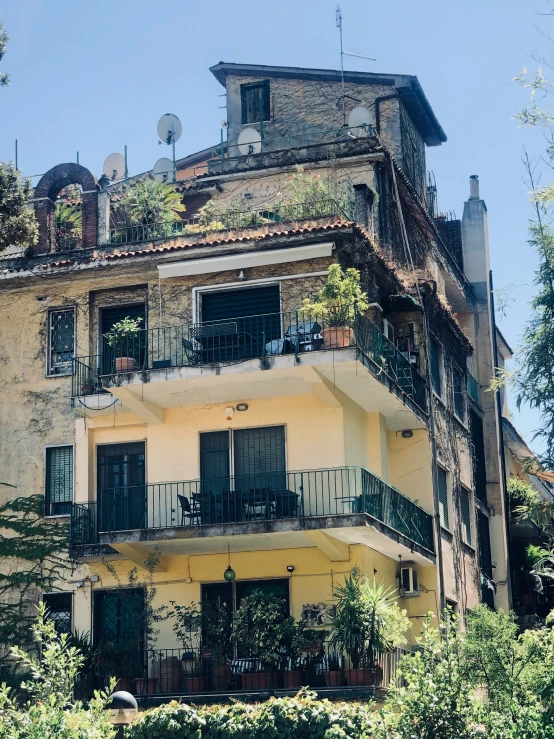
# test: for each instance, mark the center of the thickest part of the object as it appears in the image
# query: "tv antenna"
(338, 20)
(169, 131)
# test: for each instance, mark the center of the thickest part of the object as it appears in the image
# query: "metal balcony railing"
(473, 388)
(240, 339)
(232, 220)
(261, 497)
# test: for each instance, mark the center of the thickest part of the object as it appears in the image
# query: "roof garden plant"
(340, 299)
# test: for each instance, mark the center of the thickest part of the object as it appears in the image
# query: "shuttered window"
(59, 480)
(436, 370)
(442, 483)
(214, 457)
(121, 486)
(61, 341)
(465, 505)
(259, 456)
(119, 617)
(485, 554)
(457, 389)
(111, 316)
(255, 103)
(251, 301)
(479, 465)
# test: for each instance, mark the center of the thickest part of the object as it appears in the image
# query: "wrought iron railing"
(232, 220)
(263, 497)
(473, 388)
(240, 339)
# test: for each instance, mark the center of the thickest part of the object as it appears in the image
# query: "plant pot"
(171, 674)
(145, 685)
(87, 389)
(291, 679)
(195, 684)
(360, 676)
(375, 675)
(334, 678)
(124, 684)
(337, 337)
(124, 364)
(221, 675)
(256, 680)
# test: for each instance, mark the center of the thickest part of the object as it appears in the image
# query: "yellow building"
(231, 442)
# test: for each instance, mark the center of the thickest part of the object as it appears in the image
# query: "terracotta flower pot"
(195, 684)
(124, 364)
(360, 676)
(145, 685)
(337, 337)
(291, 679)
(256, 680)
(171, 673)
(124, 684)
(334, 678)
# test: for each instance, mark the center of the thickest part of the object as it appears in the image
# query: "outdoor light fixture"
(229, 573)
(229, 414)
(242, 406)
(407, 434)
(123, 710)
(290, 568)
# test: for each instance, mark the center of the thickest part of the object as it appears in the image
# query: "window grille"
(466, 516)
(255, 97)
(61, 341)
(119, 616)
(442, 482)
(59, 480)
(436, 374)
(59, 607)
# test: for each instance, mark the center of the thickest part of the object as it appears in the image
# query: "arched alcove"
(51, 184)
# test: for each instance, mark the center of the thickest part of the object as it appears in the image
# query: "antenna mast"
(338, 18)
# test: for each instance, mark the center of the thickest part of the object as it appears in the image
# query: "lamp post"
(123, 709)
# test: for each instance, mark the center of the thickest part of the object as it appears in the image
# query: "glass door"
(122, 501)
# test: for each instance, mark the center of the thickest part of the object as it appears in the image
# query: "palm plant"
(146, 202)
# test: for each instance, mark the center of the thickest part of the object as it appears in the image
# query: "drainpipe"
(378, 102)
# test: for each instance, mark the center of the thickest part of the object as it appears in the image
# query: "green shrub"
(170, 721)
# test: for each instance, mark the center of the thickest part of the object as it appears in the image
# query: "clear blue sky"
(93, 76)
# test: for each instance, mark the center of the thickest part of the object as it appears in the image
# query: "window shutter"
(214, 457)
(250, 95)
(259, 456)
(466, 516)
(443, 496)
(252, 301)
(485, 554)
(59, 480)
(110, 316)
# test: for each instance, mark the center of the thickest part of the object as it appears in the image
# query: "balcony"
(351, 503)
(193, 357)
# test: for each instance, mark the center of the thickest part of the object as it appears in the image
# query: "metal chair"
(192, 512)
(194, 356)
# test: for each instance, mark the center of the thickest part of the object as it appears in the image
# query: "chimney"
(474, 187)
(475, 241)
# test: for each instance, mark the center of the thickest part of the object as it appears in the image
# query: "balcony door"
(237, 323)
(121, 486)
(134, 346)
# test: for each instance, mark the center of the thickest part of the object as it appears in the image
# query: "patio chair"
(193, 356)
(192, 512)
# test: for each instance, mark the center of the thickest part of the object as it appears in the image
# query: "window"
(59, 606)
(442, 483)
(458, 391)
(59, 480)
(465, 504)
(479, 464)
(436, 368)
(121, 492)
(61, 341)
(254, 100)
(119, 616)
(485, 559)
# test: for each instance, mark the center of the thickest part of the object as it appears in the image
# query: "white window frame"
(49, 366)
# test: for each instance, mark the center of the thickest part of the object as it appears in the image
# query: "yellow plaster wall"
(409, 464)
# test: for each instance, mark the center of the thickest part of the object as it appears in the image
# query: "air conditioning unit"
(388, 330)
(409, 582)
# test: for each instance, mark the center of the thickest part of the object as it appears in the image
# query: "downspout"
(378, 102)
(503, 477)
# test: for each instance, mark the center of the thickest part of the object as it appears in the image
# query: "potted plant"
(366, 624)
(334, 672)
(186, 625)
(120, 338)
(337, 304)
(292, 640)
(257, 632)
(120, 660)
(217, 647)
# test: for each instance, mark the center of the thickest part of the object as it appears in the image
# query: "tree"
(4, 38)
(33, 553)
(18, 226)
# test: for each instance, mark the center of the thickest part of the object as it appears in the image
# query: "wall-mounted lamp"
(229, 414)
(229, 574)
(407, 434)
(290, 568)
(241, 276)
(242, 406)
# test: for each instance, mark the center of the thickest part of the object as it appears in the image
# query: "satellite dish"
(169, 128)
(359, 121)
(163, 170)
(250, 141)
(114, 166)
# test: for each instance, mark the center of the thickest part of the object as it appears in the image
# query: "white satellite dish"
(169, 128)
(250, 141)
(114, 166)
(163, 170)
(359, 121)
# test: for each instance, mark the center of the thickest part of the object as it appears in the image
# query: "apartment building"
(235, 444)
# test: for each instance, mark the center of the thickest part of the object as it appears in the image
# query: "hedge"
(302, 717)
